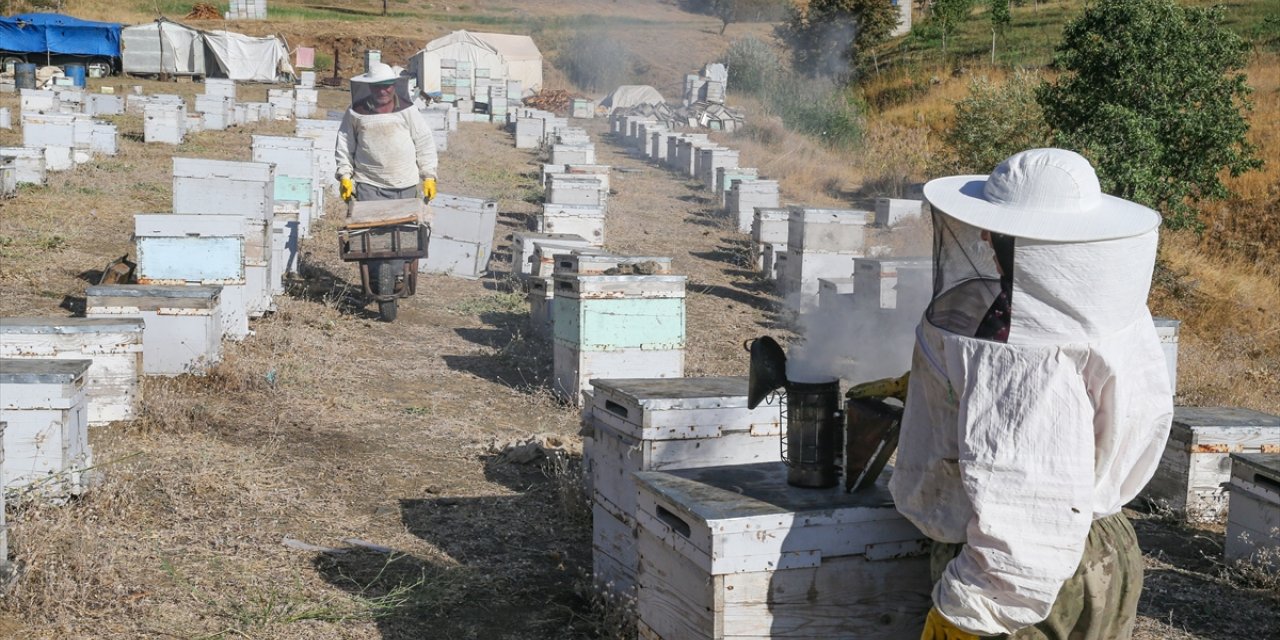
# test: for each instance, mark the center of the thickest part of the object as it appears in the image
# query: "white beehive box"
(458, 258)
(540, 296)
(712, 160)
(113, 345)
(8, 178)
(103, 138)
(325, 135)
(745, 196)
(29, 166)
(1196, 461)
(613, 326)
(835, 295)
(902, 286)
(523, 245)
(183, 324)
(46, 440)
(292, 155)
(101, 104)
(821, 243)
(775, 262)
(1253, 523)
(546, 252)
(724, 179)
(891, 211)
(581, 189)
(223, 187)
(768, 226)
(463, 218)
(165, 123)
(216, 111)
(573, 154)
(284, 248)
(661, 424)
(529, 132)
(197, 249)
(1168, 329)
(581, 220)
(220, 87)
(598, 263)
(735, 552)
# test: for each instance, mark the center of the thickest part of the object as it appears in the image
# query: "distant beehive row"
(247, 10)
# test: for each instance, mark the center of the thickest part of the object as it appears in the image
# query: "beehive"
(725, 177)
(1253, 523)
(1196, 461)
(46, 440)
(662, 424)
(223, 187)
(183, 324)
(745, 196)
(197, 249)
(735, 552)
(891, 211)
(607, 326)
(576, 189)
(593, 263)
(710, 160)
(164, 123)
(113, 345)
(821, 243)
(768, 226)
(585, 221)
(284, 247)
(523, 244)
(28, 164)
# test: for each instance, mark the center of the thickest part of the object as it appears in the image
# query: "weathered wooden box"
(529, 132)
(835, 295)
(725, 177)
(774, 264)
(546, 253)
(458, 258)
(582, 189)
(284, 247)
(599, 263)
(223, 187)
(902, 286)
(295, 196)
(712, 160)
(821, 243)
(113, 345)
(769, 225)
(735, 552)
(891, 211)
(1197, 463)
(293, 156)
(463, 218)
(661, 424)
(745, 196)
(183, 332)
(586, 221)
(563, 154)
(46, 440)
(523, 244)
(1253, 524)
(540, 296)
(611, 326)
(29, 167)
(164, 123)
(197, 249)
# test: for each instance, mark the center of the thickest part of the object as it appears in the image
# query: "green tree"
(1000, 21)
(996, 121)
(1154, 94)
(948, 15)
(836, 38)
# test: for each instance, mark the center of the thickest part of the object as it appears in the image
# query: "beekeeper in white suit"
(385, 149)
(1038, 403)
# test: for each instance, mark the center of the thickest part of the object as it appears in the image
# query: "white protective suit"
(1016, 448)
(386, 150)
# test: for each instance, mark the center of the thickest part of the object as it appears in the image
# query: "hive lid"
(41, 370)
(1194, 418)
(68, 325)
(1266, 465)
(670, 393)
(203, 292)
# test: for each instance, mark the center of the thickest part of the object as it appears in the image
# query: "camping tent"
(241, 57)
(461, 46)
(524, 60)
(163, 47)
(630, 95)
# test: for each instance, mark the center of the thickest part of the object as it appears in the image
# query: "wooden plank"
(674, 598)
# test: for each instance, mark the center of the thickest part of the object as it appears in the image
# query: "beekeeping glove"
(881, 389)
(346, 188)
(937, 627)
(429, 189)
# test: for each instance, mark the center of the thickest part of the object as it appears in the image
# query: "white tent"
(247, 58)
(461, 46)
(630, 95)
(162, 47)
(524, 60)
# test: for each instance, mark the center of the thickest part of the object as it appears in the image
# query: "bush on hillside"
(819, 108)
(752, 65)
(835, 38)
(1154, 95)
(995, 121)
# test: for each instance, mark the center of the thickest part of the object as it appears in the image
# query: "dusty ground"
(327, 425)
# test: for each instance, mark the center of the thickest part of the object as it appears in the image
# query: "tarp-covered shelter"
(55, 33)
(247, 58)
(163, 46)
(461, 46)
(630, 95)
(524, 60)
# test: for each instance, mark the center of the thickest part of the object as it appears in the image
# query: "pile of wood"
(204, 11)
(553, 100)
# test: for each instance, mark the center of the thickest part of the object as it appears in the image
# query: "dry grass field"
(381, 444)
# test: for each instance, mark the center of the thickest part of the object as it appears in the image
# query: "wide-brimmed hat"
(378, 72)
(1041, 194)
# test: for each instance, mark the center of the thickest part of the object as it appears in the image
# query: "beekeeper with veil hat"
(385, 149)
(1038, 403)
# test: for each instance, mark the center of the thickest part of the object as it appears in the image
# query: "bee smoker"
(813, 440)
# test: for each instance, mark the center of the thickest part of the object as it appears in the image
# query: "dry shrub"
(893, 158)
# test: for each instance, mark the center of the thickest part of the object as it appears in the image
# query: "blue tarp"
(56, 33)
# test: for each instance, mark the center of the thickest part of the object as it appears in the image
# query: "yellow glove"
(429, 189)
(937, 627)
(881, 389)
(346, 188)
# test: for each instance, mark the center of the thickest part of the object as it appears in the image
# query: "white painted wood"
(1253, 524)
(292, 156)
(202, 186)
(573, 154)
(573, 368)
(523, 244)
(164, 123)
(456, 257)
(581, 189)
(745, 196)
(613, 551)
(183, 324)
(46, 442)
(591, 262)
(585, 221)
(1196, 461)
(29, 164)
(733, 552)
(113, 345)
(900, 284)
(891, 211)
(586, 287)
